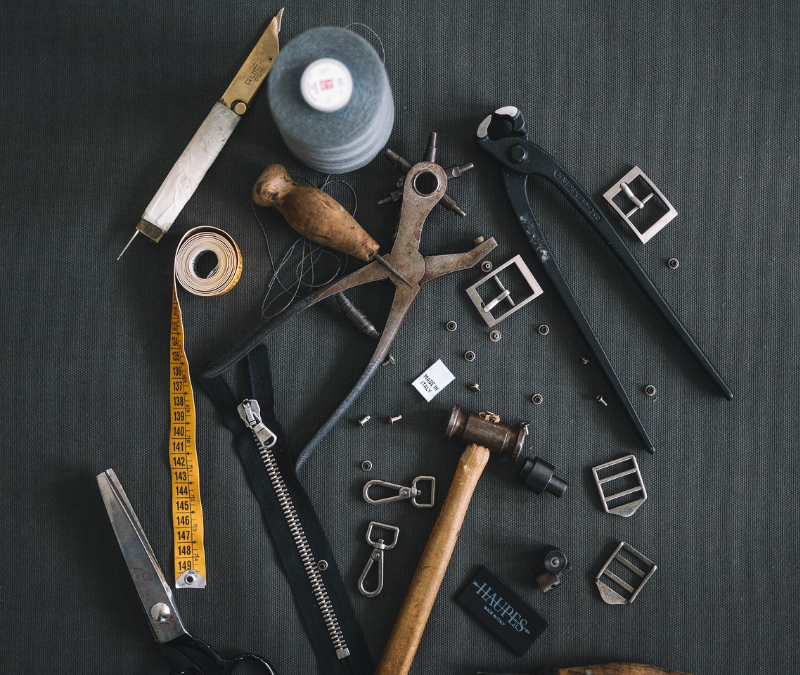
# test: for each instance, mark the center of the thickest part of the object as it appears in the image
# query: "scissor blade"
(154, 592)
(256, 68)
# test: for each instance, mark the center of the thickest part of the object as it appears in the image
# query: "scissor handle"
(191, 656)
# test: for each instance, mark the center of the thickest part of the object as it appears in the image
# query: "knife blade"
(186, 174)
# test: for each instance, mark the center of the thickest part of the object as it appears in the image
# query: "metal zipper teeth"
(303, 547)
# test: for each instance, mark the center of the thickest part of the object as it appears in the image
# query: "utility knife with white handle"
(206, 144)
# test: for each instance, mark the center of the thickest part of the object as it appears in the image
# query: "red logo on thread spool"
(325, 84)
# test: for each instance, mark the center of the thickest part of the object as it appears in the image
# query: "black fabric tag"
(502, 611)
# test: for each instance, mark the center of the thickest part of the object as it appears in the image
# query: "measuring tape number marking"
(187, 510)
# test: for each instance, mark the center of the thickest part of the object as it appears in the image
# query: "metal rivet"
(469, 356)
(451, 326)
(322, 565)
(364, 420)
(366, 465)
(495, 336)
(396, 418)
(486, 266)
(650, 390)
(189, 579)
(474, 387)
(160, 612)
(389, 361)
(518, 153)
(600, 399)
(544, 329)
(478, 240)
(673, 263)
(537, 399)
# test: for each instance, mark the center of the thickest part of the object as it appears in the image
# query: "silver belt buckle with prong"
(639, 203)
(504, 295)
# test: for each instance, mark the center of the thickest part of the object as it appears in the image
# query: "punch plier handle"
(503, 135)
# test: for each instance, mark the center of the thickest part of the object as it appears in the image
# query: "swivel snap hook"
(403, 492)
(377, 555)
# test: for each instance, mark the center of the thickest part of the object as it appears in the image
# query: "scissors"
(521, 158)
(188, 654)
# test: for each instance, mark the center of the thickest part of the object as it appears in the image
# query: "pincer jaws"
(509, 114)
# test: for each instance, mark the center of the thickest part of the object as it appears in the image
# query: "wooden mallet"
(485, 434)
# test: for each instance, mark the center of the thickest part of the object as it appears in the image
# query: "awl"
(208, 141)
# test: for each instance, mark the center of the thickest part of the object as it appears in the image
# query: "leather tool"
(317, 216)
(603, 669)
(485, 434)
(424, 185)
(520, 158)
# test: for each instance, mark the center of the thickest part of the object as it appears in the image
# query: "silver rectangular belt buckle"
(485, 308)
(614, 597)
(628, 508)
(624, 185)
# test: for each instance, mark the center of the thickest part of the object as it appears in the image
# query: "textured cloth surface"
(99, 100)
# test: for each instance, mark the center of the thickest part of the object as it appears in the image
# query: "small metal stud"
(585, 360)
(469, 356)
(674, 263)
(486, 266)
(544, 329)
(474, 387)
(389, 361)
(495, 336)
(451, 326)
(537, 399)
(366, 465)
(322, 565)
(600, 399)
(396, 418)
(650, 390)
(364, 420)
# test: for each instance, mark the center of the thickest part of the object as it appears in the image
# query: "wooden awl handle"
(312, 213)
(416, 608)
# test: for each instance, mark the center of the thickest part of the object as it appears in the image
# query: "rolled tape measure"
(187, 511)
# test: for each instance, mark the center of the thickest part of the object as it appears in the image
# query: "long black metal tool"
(504, 136)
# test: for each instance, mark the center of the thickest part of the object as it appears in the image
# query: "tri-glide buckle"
(624, 186)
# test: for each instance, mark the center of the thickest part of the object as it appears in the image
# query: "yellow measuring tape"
(187, 511)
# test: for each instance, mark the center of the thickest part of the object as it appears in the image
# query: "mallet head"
(486, 429)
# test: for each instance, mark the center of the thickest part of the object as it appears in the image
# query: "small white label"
(326, 85)
(433, 380)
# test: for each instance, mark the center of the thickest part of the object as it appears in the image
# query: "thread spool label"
(326, 85)
(433, 380)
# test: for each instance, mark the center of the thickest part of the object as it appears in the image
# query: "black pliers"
(503, 135)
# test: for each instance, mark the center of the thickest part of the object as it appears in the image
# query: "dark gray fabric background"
(99, 99)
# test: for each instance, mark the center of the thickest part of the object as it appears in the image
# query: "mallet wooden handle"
(404, 639)
(312, 213)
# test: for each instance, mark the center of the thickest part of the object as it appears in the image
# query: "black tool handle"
(535, 161)
(515, 186)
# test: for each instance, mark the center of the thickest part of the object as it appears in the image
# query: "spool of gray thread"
(348, 138)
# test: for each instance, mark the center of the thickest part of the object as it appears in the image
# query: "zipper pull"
(250, 412)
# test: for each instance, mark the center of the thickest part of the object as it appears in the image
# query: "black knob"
(555, 561)
(539, 476)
